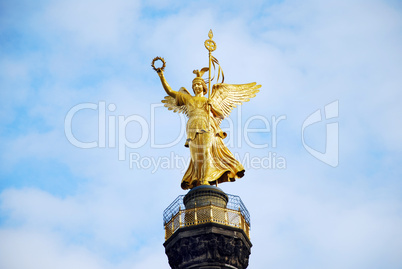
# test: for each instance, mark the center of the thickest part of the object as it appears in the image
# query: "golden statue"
(211, 161)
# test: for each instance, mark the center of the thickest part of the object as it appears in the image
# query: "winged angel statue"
(211, 161)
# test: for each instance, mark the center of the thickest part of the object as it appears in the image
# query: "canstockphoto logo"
(331, 154)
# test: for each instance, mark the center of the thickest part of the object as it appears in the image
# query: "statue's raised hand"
(159, 70)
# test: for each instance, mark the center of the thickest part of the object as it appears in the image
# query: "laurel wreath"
(159, 68)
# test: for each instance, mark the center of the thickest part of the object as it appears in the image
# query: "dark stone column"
(208, 245)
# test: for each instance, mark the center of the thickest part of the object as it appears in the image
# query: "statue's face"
(197, 87)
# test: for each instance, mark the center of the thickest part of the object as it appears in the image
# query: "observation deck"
(206, 204)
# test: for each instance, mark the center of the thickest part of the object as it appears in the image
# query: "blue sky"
(63, 206)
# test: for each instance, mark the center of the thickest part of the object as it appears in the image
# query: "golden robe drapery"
(211, 161)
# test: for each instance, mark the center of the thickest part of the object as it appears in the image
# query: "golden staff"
(210, 45)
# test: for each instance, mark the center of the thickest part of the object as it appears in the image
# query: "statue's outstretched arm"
(165, 85)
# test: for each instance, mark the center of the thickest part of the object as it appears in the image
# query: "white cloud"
(29, 249)
(93, 24)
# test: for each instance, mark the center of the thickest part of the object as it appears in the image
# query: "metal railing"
(234, 203)
(206, 214)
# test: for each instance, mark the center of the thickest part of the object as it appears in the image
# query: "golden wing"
(170, 103)
(226, 96)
